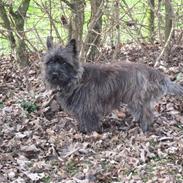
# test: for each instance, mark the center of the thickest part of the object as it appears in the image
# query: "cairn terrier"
(89, 91)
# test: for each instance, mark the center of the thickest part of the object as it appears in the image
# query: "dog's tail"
(174, 88)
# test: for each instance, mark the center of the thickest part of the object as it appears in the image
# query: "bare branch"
(22, 9)
(157, 63)
(68, 4)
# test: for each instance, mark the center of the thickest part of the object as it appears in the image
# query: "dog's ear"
(49, 42)
(71, 46)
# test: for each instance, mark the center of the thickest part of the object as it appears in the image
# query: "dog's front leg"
(89, 122)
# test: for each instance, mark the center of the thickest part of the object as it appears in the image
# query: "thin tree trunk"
(169, 30)
(86, 46)
(77, 21)
(117, 15)
(51, 22)
(7, 26)
(117, 28)
(94, 38)
(19, 20)
(151, 19)
(168, 18)
(168, 27)
(159, 21)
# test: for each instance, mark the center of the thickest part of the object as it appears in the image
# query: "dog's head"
(61, 64)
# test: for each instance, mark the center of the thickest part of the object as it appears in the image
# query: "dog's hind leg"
(143, 114)
(146, 118)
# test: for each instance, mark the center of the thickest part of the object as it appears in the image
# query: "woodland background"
(94, 24)
(40, 143)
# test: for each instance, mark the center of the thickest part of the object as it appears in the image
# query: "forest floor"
(38, 144)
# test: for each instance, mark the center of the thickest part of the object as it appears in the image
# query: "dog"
(89, 91)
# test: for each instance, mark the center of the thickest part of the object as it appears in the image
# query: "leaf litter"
(40, 143)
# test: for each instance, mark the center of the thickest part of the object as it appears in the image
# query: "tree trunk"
(7, 25)
(168, 27)
(15, 24)
(94, 38)
(77, 21)
(151, 17)
(116, 21)
(168, 18)
(159, 16)
(19, 19)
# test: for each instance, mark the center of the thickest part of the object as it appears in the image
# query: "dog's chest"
(65, 102)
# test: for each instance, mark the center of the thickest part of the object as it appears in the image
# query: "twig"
(157, 63)
(164, 48)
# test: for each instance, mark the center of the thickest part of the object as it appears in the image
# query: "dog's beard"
(55, 79)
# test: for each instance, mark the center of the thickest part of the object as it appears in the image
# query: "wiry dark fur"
(89, 91)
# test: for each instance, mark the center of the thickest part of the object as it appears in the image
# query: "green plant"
(29, 106)
(1, 105)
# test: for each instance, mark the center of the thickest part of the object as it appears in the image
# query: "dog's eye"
(67, 66)
(53, 61)
(49, 62)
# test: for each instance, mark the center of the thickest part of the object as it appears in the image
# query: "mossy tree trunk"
(19, 20)
(7, 25)
(151, 17)
(14, 24)
(94, 35)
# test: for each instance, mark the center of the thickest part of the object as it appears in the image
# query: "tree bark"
(116, 22)
(77, 21)
(7, 25)
(169, 15)
(151, 17)
(14, 24)
(168, 18)
(94, 34)
(19, 19)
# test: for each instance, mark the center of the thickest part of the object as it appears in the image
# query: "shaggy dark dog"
(89, 91)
